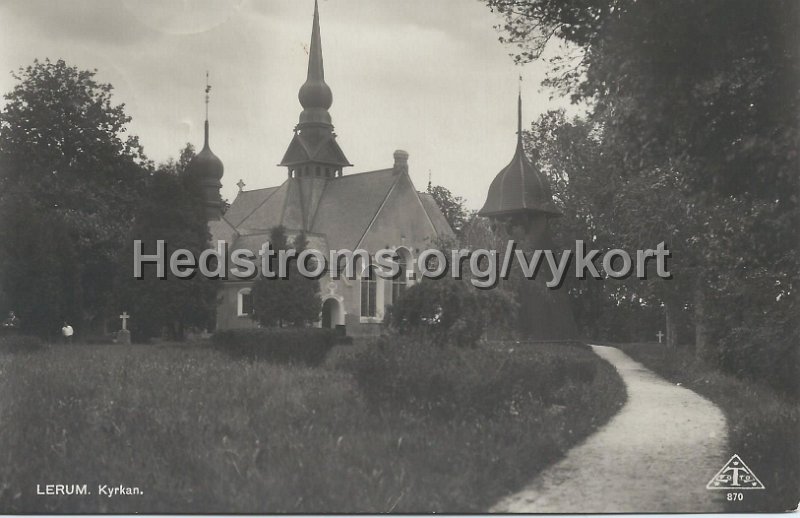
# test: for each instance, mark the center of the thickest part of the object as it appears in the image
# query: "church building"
(369, 210)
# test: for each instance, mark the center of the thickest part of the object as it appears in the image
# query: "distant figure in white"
(67, 332)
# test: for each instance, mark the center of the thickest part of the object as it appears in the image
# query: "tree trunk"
(672, 327)
(700, 331)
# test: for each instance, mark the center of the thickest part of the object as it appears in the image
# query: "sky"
(427, 77)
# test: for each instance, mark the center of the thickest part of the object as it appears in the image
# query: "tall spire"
(313, 151)
(316, 71)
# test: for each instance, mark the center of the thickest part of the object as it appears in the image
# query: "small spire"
(240, 184)
(208, 97)
(430, 185)
(519, 111)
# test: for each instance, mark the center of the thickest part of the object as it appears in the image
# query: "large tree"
(68, 167)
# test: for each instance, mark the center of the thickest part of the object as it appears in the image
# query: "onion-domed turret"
(208, 169)
(519, 189)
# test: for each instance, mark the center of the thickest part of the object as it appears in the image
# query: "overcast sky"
(426, 76)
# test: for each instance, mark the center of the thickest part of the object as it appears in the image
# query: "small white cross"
(660, 335)
(124, 317)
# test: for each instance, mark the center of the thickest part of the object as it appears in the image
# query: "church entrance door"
(331, 313)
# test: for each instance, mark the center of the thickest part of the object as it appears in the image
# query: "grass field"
(763, 426)
(198, 432)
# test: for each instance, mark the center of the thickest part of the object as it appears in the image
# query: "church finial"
(208, 97)
(430, 185)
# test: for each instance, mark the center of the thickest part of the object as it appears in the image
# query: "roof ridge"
(388, 169)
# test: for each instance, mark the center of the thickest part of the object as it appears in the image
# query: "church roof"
(519, 188)
(435, 215)
(343, 212)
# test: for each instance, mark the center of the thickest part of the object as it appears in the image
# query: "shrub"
(450, 312)
(14, 343)
(278, 345)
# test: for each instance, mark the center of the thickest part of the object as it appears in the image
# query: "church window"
(399, 282)
(369, 293)
(244, 302)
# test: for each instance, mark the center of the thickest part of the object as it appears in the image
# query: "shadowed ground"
(656, 455)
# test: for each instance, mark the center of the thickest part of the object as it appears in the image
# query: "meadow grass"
(199, 432)
(763, 425)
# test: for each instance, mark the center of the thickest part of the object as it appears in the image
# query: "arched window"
(369, 293)
(400, 282)
(244, 303)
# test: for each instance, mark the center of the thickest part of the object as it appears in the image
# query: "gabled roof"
(349, 205)
(343, 212)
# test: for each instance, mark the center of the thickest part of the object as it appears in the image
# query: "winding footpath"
(656, 455)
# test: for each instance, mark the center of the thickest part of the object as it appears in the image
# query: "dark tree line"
(75, 188)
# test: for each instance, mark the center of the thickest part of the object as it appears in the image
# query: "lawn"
(199, 432)
(763, 426)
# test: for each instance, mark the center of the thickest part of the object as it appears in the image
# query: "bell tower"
(521, 204)
(313, 151)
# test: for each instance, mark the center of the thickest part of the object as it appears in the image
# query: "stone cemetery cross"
(125, 316)
(124, 335)
(660, 335)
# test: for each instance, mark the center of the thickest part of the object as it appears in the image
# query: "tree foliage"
(452, 207)
(292, 300)
(70, 179)
(172, 210)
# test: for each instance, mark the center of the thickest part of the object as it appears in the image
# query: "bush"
(14, 343)
(450, 312)
(278, 345)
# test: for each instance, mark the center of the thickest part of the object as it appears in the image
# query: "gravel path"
(656, 455)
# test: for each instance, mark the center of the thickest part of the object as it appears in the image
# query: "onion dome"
(206, 164)
(208, 170)
(519, 188)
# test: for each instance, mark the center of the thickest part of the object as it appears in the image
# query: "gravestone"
(124, 336)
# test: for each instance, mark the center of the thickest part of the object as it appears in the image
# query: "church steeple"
(314, 151)
(208, 169)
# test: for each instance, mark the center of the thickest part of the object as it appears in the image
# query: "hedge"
(13, 342)
(277, 345)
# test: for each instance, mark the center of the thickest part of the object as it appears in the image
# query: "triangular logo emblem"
(735, 475)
